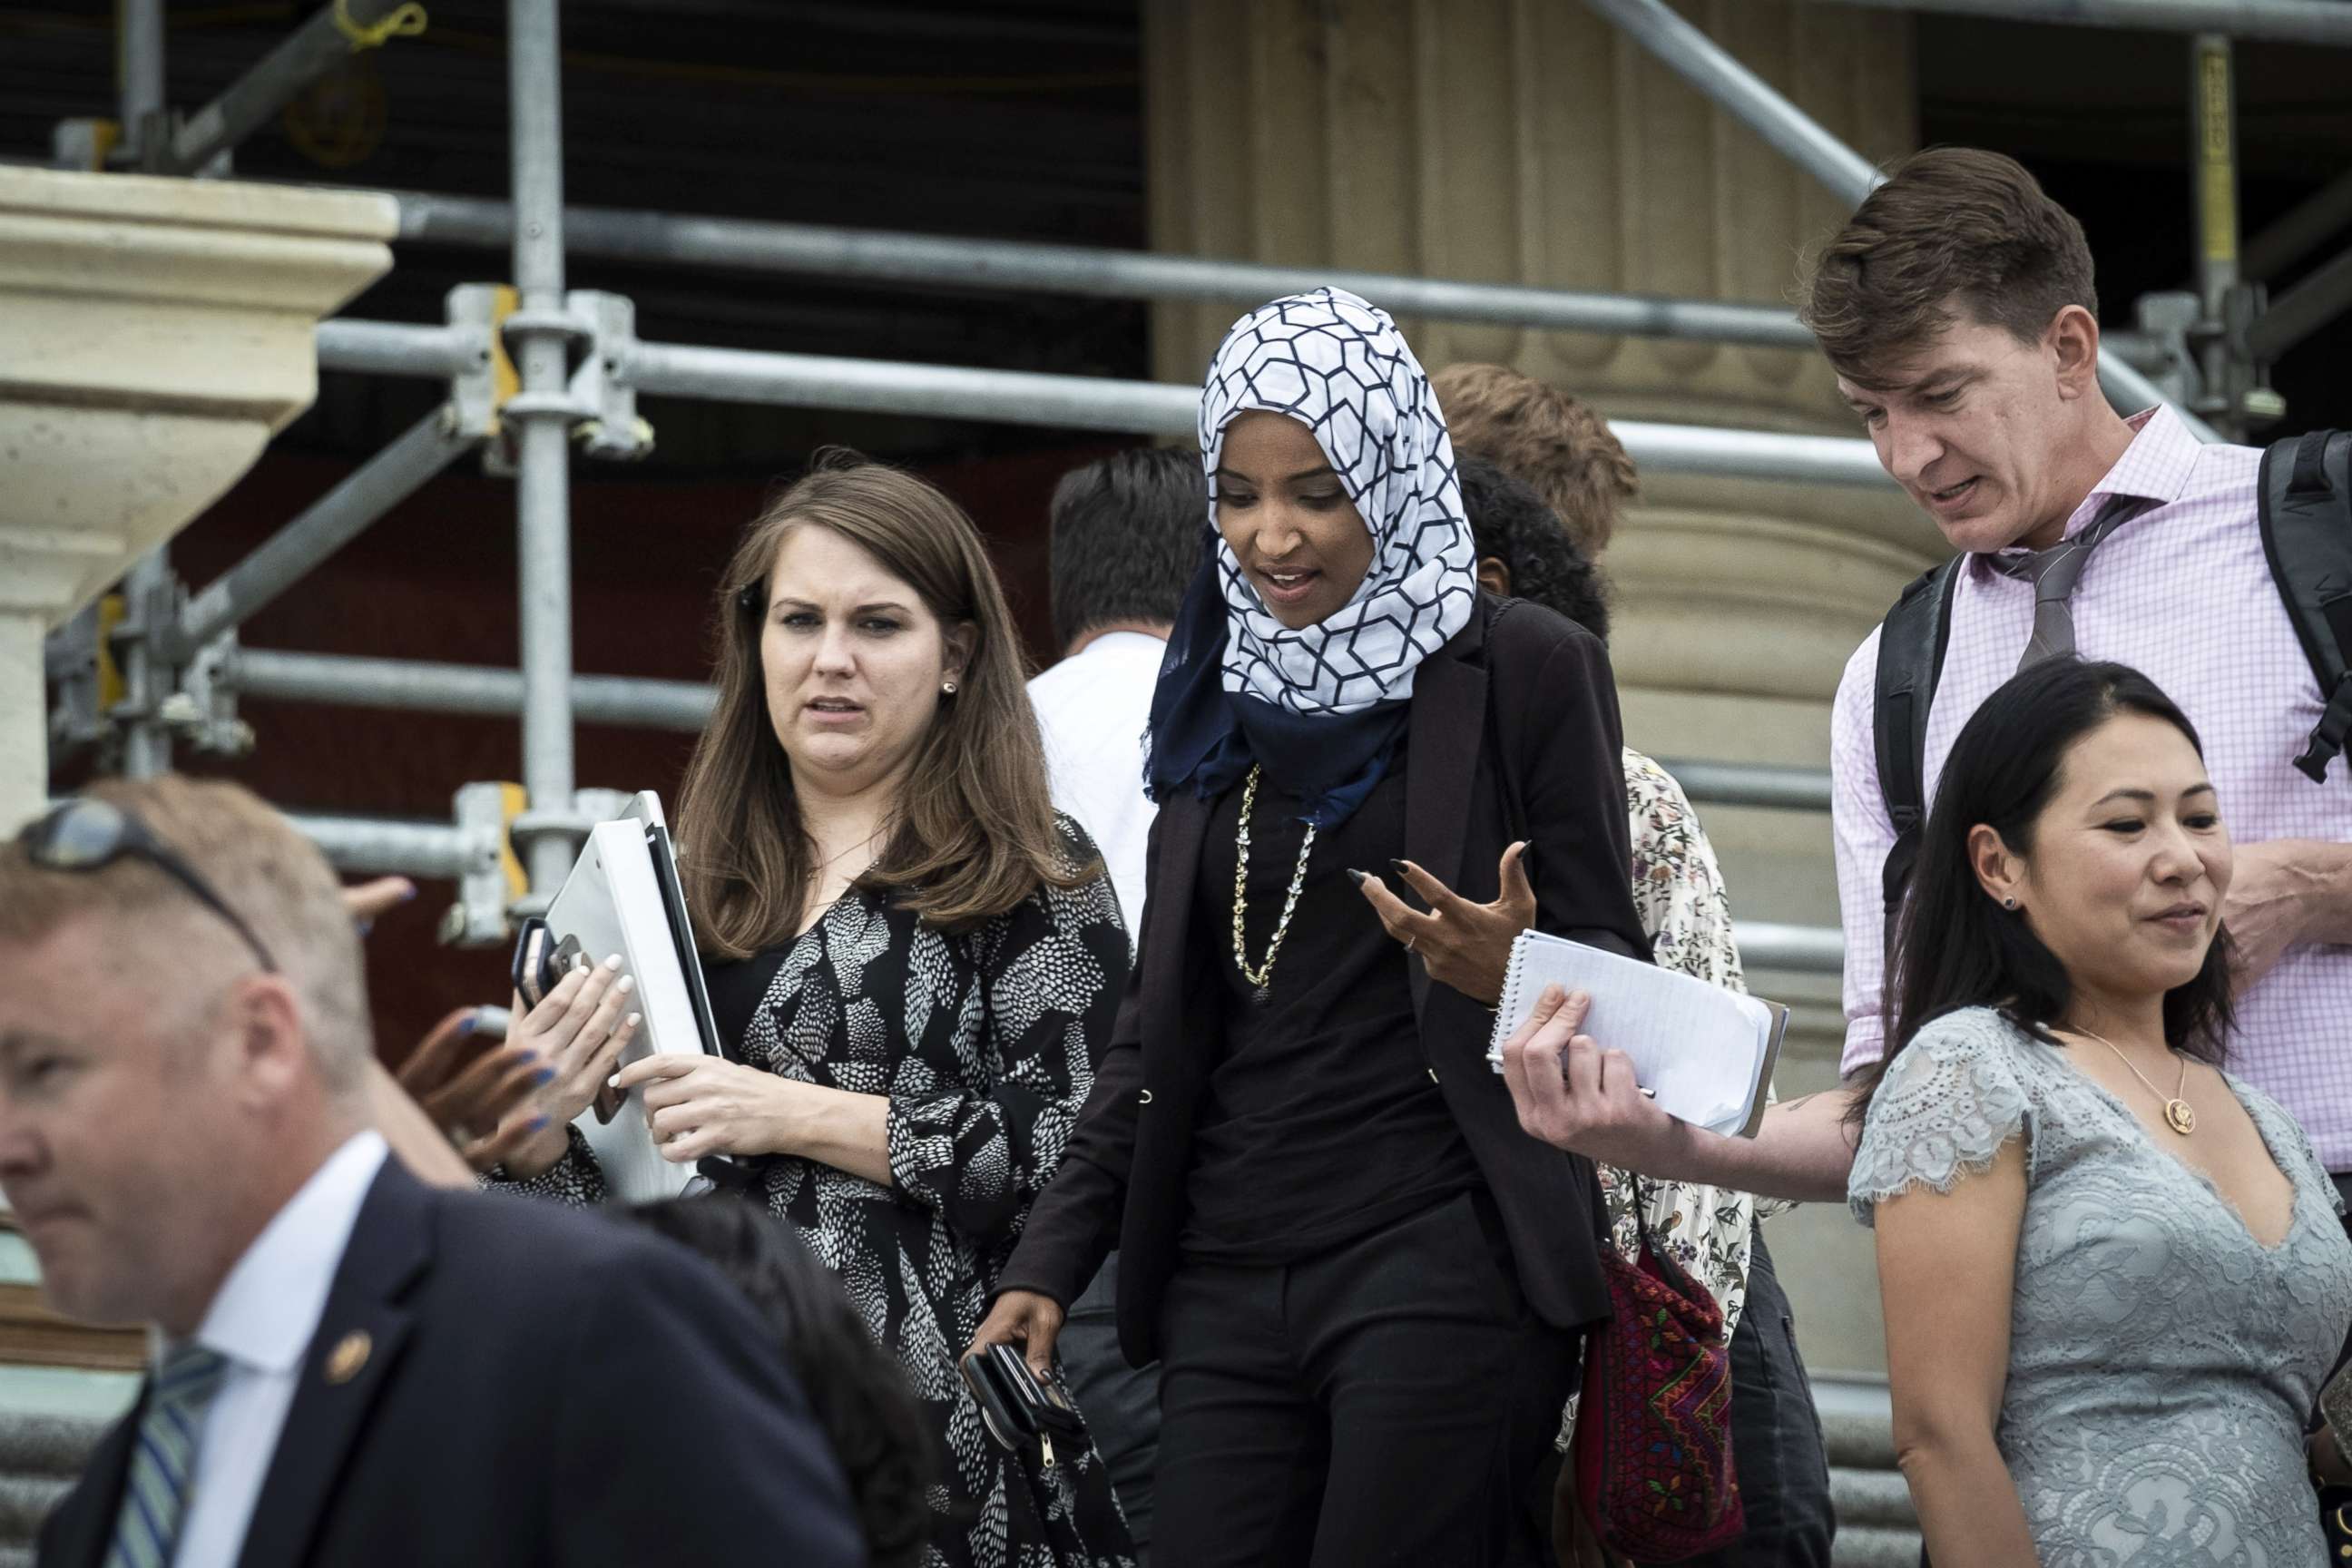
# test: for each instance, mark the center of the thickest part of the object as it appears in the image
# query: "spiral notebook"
(1705, 1054)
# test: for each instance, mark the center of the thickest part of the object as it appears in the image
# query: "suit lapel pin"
(350, 1354)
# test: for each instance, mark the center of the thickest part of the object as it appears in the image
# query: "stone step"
(1873, 1548)
(41, 1455)
(26, 1502)
(1876, 1499)
(53, 1446)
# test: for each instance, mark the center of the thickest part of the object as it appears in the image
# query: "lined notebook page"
(1705, 1052)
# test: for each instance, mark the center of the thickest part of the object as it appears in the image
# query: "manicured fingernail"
(612, 1082)
(525, 1053)
(408, 892)
(366, 926)
(544, 1075)
(468, 1023)
(1355, 876)
(613, 962)
(539, 1123)
(1400, 867)
(633, 1019)
(628, 984)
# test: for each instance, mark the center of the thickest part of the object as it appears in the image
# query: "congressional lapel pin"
(350, 1354)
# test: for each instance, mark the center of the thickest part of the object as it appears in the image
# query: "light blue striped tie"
(156, 1492)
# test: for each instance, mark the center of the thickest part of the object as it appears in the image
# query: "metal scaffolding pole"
(138, 69)
(385, 847)
(146, 744)
(1707, 66)
(2325, 294)
(1152, 408)
(542, 415)
(1802, 949)
(2279, 21)
(2213, 165)
(313, 49)
(383, 482)
(398, 348)
(2313, 222)
(422, 686)
(814, 251)
(1027, 398)
(1752, 784)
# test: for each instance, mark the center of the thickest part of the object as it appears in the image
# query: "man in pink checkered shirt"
(2001, 434)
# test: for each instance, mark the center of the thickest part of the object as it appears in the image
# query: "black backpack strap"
(1910, 658)
(2306, 523)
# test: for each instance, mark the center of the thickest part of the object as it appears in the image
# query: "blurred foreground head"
(855, 1387)
(170, 1073)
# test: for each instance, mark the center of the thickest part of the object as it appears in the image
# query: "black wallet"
(539, 961)
(1014, 1405)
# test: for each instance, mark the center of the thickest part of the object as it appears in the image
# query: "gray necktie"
(2053, 572)
(156, 1489)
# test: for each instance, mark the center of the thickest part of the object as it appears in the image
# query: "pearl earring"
(947, 688)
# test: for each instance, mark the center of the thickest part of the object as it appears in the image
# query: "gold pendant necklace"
(2179, 1114)
(1260, 977)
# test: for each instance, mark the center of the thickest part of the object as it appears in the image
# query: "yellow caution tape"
(110, 611)
(511, 801)
(404, 22)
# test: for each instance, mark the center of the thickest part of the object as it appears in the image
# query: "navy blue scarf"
(1208, 737)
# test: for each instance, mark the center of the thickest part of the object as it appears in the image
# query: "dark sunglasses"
(85, 835)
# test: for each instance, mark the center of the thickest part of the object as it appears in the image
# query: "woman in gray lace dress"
(2113, 1275)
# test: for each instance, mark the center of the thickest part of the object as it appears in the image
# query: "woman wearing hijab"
(1364, 1282)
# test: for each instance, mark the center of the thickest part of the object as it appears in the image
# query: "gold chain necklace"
(1260, 977)
(2179, 1114)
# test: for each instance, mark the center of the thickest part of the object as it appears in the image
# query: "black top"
(1327, 1070)
(982, 1040)
(1513, 734)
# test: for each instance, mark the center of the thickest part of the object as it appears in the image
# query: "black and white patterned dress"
(983, 1040)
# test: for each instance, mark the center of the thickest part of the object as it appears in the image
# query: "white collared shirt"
(1092, 710)
(263, 1320)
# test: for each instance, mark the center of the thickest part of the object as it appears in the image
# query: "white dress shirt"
(1093, 709)
(263, 1321)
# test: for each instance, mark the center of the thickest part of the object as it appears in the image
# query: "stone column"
(1527, 142)
(153, 335)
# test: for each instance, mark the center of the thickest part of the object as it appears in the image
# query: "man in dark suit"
(355, 1369)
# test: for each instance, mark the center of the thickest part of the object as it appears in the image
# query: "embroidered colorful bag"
(1651, 1452)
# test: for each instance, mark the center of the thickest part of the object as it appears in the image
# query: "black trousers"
(1121, 1402)
(1775, 1436)
(1386, 1402)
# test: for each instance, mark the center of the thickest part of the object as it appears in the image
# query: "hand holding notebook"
(1705, 1053)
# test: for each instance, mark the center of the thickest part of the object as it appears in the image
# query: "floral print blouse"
(1678, 892)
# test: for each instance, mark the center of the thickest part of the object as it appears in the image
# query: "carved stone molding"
(153, 334)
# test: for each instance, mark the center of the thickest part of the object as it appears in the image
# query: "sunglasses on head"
(86, 835)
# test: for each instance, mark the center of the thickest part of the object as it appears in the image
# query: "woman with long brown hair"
(913, 954)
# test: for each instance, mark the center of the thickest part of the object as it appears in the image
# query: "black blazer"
(541, 1386)
(1537, 703)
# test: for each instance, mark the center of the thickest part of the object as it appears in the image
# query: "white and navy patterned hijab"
(1339, 366)
(1322, 709)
